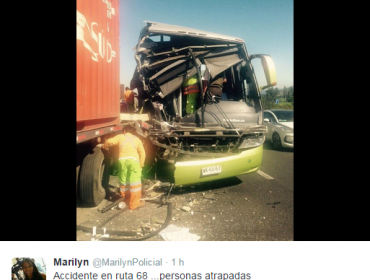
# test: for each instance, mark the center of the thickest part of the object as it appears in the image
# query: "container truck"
(97, 94)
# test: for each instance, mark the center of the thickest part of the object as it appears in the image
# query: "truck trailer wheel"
(94, 178)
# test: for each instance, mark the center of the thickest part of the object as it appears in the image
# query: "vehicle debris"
(175, 233)
(186, 208)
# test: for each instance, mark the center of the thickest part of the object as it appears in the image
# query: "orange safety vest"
(129, 147)
(129, 96)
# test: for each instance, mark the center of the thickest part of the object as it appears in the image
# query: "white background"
(285, 260)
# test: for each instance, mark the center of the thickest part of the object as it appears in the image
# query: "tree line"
(286, 95)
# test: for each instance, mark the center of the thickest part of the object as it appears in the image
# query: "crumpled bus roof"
(167, 60)
(156, 27)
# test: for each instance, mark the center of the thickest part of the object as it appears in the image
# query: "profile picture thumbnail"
(28, 269)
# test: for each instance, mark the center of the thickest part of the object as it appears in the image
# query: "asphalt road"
(250, 207)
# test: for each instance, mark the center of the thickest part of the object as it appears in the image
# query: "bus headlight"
(252, 142)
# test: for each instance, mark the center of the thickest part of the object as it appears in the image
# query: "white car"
(279, 124)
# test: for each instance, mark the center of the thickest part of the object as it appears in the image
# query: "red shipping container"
(97, 59)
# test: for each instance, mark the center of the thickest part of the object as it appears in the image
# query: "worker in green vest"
(190, 88)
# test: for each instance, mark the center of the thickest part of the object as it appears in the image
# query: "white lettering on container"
(93, 40)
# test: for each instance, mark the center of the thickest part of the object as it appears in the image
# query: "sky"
(266, 26)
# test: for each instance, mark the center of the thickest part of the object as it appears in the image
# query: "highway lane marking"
(263, 174)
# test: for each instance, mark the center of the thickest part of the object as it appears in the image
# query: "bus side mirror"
(268, 66)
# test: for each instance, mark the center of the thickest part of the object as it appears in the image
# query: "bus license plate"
(211, 170)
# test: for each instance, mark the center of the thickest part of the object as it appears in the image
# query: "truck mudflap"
(201, 171)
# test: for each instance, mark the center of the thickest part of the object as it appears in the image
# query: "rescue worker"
(131, 160)
(191, 89)
(216, 86)
(129, 98)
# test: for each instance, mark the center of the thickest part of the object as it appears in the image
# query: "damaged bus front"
(223, 136)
